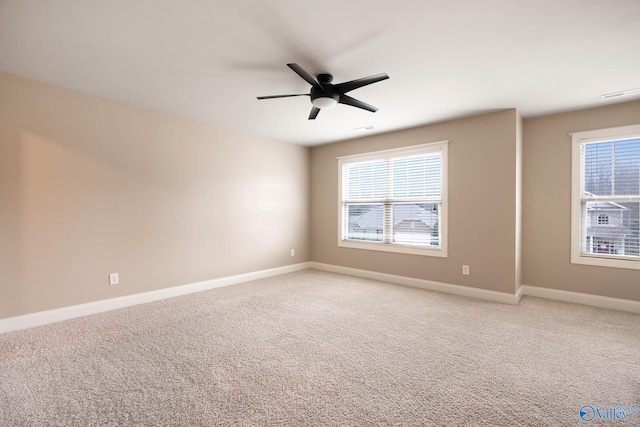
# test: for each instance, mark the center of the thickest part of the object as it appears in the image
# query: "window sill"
(601, 261)
(400, 249)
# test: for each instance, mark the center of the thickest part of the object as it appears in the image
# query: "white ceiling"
(208, 59)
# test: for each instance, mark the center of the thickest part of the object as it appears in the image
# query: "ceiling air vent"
(619, 94)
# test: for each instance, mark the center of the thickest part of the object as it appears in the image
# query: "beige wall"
(482, 203)
(547, 204)
(90, 186)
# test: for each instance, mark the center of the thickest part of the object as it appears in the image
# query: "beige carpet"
(320, 349)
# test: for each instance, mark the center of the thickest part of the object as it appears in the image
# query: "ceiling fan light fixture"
(324, 102)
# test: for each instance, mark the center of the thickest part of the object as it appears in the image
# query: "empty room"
(296, 213)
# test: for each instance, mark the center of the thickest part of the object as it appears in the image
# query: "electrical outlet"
(114, 279)
(465, 270)
(293, 252)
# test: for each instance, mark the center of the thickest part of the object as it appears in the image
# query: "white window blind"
(607, 205)
(394, 198)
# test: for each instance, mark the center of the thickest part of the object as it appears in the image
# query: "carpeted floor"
(320, 349)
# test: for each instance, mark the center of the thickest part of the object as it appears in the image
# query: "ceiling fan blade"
(347, 100)
(345, 87)
(314, 113)
(281, 96)
(302, 73)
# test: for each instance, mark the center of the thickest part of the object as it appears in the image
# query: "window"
(606, 197)
(395, 200)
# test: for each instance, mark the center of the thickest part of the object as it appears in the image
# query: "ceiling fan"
(325, 95)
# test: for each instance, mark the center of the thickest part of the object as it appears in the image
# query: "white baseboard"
(65, 313)
(448, 288)
(584, 299)
(519, 293)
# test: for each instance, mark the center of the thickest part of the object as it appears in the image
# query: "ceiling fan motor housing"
(320, 93)
(330, 95)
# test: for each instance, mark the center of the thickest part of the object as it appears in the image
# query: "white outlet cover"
(113, 279)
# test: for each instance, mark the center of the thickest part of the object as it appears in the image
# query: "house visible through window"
(395, 200)
(606, 197)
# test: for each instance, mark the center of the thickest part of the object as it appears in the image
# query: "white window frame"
(577, 184)
(442, 252)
